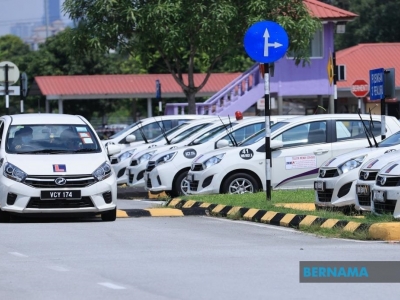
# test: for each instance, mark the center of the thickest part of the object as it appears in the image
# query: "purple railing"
(223, 99)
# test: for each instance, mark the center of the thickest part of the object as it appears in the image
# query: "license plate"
(319, 185)
(379, 196)
(362, 189)
(53, 195)
(189, 177)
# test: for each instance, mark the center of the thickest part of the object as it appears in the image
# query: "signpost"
(158, 95)
(266, 42)
(360, 89)
(376, 92)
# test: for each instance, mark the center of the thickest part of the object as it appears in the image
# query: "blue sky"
(13, 11)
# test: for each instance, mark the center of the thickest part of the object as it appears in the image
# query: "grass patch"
(259, 201)
(337, 233)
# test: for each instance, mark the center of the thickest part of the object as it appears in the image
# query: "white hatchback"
(54, 164)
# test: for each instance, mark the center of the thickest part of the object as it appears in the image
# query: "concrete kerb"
(380, 231)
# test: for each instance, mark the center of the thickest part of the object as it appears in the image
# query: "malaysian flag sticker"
(59, 168)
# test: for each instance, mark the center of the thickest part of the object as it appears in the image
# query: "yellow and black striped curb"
(158, 212)
(381, 231)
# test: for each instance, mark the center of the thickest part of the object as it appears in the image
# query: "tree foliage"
(188, 35)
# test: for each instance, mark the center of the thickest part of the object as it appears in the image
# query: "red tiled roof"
(325, 11)
(132, 84)
(364, 57)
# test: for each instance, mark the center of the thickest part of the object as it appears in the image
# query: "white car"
(367, 176)
(386, 190)
(54, 164)
(166, 171)
(151, 127)
(299, 147)
(121, 161)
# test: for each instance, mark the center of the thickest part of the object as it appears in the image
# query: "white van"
(54, 164)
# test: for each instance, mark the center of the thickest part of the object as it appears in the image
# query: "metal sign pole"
(383, 112)
(6, 88)
(268, 160)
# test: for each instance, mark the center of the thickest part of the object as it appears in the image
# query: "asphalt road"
(174, 258)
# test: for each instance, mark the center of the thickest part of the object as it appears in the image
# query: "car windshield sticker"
(85, 137)
(391, 168)
(372, 163)
(81, 129)
(328, 163)
(246, 153)
(190, 153)
(300, 162)
(59, 168)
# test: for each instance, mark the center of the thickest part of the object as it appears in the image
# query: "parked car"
(166, 171)
(299, 147)
(54, 164)
(386, 192)
(336, 184)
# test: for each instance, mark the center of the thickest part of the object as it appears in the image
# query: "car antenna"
(163, 132)
(365, 129)
(230, 124)
(371, 124)
(142, 133)
(229, 134)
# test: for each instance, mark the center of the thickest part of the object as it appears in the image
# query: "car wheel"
(109, 215)
(240, 183)
(4, 217)
(180, 186)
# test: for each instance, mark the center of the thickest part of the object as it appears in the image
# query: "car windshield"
(261, 134)
(392, 140)
(169, 132)
(208, 135)
(188, 133)
(126, 129)
(51, 139)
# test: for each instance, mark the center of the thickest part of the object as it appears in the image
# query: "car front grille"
(386, 207)
(36, 202)
(328, 173)
(134, 163)
(371, 175)
(390, 181)
(114, 161)
(72, 181)
(194, 185)
(364, 200)
(149, 183)
(325, 196)
(150, 166)
(197, 167)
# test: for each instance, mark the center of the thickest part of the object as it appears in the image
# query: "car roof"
(331, 116)
(39, 118)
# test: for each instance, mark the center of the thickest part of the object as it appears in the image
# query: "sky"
(13, 11)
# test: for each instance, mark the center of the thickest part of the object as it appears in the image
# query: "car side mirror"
(130, 138)
(113, 149)
(222, 144)
(276, 144)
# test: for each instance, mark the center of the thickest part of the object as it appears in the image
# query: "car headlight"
(213, 160)
(12, 172)
(102, 172)
(126, 155)
(145, 157)
(165, 158)
(351, 164)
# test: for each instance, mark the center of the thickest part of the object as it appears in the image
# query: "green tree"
(13, 49)
(187, 34)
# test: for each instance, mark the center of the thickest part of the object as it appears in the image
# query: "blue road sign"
(266, 41)
(376, 86)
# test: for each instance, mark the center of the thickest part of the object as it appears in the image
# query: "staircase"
(239, 95)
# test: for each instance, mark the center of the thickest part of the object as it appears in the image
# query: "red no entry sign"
(360, 88)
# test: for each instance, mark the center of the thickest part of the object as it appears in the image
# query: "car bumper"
(339, 191)
(160, 178)
(20, 198)
(204, 182)
(136, 175)
(120, 171)
(390, 205)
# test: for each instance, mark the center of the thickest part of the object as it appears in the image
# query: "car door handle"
(320, 151)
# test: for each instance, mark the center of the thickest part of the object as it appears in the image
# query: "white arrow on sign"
(267, 45)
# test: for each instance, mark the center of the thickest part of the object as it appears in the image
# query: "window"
(151, 130)
(305, 134)
(243, 133)
(316, 47)
(354, 129)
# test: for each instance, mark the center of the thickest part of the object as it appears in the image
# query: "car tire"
(178, 185)
(109, 215)
(4, 217)
(241, 182)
